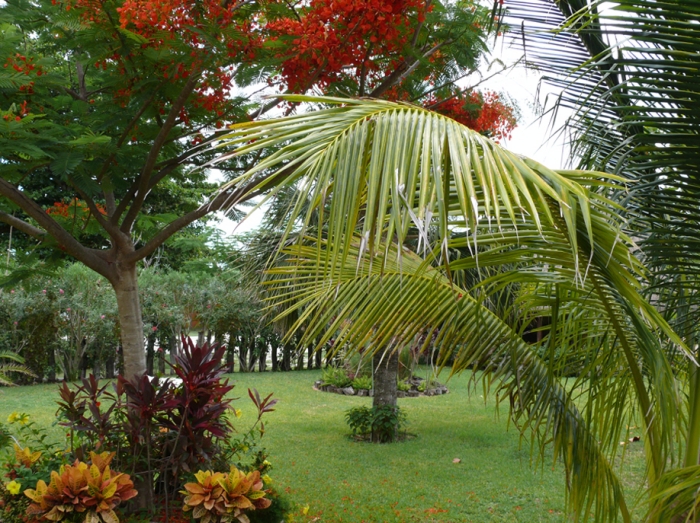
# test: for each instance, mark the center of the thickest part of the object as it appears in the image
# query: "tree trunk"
(150, 353)
(310, 358)
(161, 358)
(319, 358)
(300, 359)
(200, 338)
(230, 352)
(109, 364)
(273, 355)
(242, 355)
(130, 322)
(385, 368)
(52, 364)
(252, 355)
(262, 356)
(287, 357)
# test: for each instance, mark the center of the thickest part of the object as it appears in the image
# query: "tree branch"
(23, 226)
(93, 258)
(144, 178)
(222, 200)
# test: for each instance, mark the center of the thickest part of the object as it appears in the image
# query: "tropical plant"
(90, 492)
(628, 76)
(11, 362)
(217, 497)
(380, 170)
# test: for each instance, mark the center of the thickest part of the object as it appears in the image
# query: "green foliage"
(383, 423)
(403, 386)
(336, 376)
(362, 383)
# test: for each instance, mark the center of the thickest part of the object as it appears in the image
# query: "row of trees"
(67, 325)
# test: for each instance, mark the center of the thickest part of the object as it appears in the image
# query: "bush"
(383, 423)
(336, 376)
(362, 383)
(403, 386)
(81, 492)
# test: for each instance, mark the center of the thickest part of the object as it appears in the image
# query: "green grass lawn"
(412, 481)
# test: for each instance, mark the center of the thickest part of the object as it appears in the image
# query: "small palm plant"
(15, 364)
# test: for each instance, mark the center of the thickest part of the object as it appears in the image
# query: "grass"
(414, 481)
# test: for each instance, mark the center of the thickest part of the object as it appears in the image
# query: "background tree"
(108, 101)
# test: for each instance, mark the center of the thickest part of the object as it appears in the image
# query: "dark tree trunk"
(273, 355)
(161, 358)
(385, 368)
(109, 366)
(262, 356)
(52, 364)
(318, 358)
(231, 353)
(242, 354)
(209, 336)
(287, 357)
(200, 338)
(310, 357)
(150, 353)
(300, 359)
(252, 355)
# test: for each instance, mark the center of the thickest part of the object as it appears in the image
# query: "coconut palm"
(378, 172)
(630, 77)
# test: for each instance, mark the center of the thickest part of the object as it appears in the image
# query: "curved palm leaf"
(8, 368)
(380, 171)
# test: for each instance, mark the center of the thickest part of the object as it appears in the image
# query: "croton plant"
(217, 497)
(90, 491)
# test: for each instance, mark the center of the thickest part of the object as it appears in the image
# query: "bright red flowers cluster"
(483, 112)
(334, 36)
(74, 208)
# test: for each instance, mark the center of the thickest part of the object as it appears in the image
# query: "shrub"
(383, 423)
(362, 383)
(93, 489)
(403, 386)
(217, 497)
(336, 376)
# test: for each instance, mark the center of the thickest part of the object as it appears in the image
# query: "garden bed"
(414, 389)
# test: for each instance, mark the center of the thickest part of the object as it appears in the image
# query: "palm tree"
(630, 76)
(374, 172)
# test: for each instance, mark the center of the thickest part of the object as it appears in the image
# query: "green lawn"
(413, 481)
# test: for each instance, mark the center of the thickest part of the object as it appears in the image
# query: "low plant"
(362, 383)
(403, 386)
(81, 492)
(217, 497)
(336, 376)
(383, 423)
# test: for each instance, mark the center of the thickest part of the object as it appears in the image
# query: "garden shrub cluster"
(169, 442)
(383, 424)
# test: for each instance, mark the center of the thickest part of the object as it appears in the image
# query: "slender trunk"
(310, 357)
(231, 353)
(300, 359)
(242, 354)
(150, 353)
(287, 357)
(130, 322)
(252, 355)
(386, 368)
(318, 358)
(209, 336)
(161, 359)
(200, 338)
(385, 371)
(109, 364)
(273, 354)
(52, 364)
(262, 356)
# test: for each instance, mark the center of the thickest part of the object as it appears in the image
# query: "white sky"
(530, 138)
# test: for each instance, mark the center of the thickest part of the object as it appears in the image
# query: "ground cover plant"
(412, 481)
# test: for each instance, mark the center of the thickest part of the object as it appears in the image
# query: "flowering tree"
(105, 102)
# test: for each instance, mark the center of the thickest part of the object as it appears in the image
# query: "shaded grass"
(414, 481)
